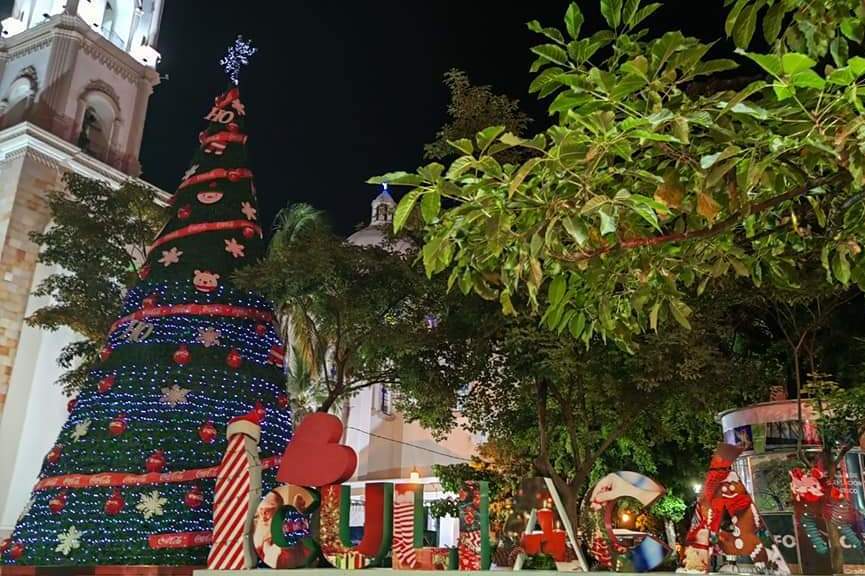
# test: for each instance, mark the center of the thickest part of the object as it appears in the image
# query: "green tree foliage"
(552, 408)
(97, 239)
(346, 309)
(471, 109)
(644, 192)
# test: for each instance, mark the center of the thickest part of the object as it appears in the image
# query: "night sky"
(341, 91)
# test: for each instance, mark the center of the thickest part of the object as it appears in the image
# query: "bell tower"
(75, 79)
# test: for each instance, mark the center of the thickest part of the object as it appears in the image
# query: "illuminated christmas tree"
(130, 479)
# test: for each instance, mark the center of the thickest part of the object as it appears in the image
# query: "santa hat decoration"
(249, 423)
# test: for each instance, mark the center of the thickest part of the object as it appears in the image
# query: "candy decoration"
(181, 355)
(106, 383)
(234, 359)
(115, 503)
(70, 406)
(105, 353)
(155, 462)
(184, 212)
(150, 301)
(260, 329)
(54, 454)
(282, 401)
(205, 281)
(57, 502)
(194, 498)
(16, 551)
(207, 433)
(238, 490)
(117, 426)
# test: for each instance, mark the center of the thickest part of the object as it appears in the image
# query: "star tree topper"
(237, 56)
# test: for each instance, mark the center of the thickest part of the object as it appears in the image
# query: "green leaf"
(730, 22)
(842, 76)
(521, 174)
(573, 20)
(653, 316)
(713, 66)
(507, 305)
(510, 139)
(841, 267)
(557, 289)
(680, 311)
(577, 230)
(793, 62)
(627, 86)
(647, 214)
(629, 11)
(594, 203)
(639, 66)
(665, 46)
(644, 13)
(746, 24)
(577, 324)
(567, 101)
(857, 65)
(655, 136)
(552, 53)
(772, 21)
(853, 29)
(709, 160)
(807, 79)
(612, 12)
(681, 130)
(397, 178)
(840, 50)
(768, 62)
(459, 166)
(487, 135)
(404, 208)
(751, 110)
(608, 220)
(430, 205)
(464, 145)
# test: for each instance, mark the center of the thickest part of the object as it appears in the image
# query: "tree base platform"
(98, 570)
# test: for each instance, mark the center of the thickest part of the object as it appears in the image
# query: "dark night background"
(341, 91)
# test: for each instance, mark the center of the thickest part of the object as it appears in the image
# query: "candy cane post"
(238, 491)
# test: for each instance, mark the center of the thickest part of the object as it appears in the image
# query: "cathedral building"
(75, 80)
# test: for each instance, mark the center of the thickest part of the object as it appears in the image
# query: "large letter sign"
(334, 526)
(409, 552)
(605, 547)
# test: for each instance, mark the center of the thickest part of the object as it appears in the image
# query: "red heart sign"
(314, 456)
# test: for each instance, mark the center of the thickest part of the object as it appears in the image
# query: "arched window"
(96, 123)
(18, 100)
(381, 213)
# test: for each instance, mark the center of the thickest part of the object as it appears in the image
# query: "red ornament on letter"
(16, 551)
(105, 384)
(54, 454)
(155, 462)
(234, 359)
(182, 355)
(194, 498)
(207, 432)
(58, 502)
(117, 426)
(115, 503)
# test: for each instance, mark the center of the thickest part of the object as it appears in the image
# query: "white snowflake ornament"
(68, 541)
(248, 210)
(174, 395)
(151, 505)
(170, 257)
(81, 430)
(209, 336)
(234, 248)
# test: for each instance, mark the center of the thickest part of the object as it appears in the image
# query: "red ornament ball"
(54, 454)
(207, 432)
(16, 551)
(117, 426)
(248, 232)
(261, 329)
(144, 271)
(106, 384)
(194, 498)
(70, 406)
(58, 502)
(115, 503)
(182, 355)
(105, 353)
(155, 462)
(282, 401)
(184, 212)
(234, 359)
(150, 301)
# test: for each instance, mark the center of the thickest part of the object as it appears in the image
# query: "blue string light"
(237, 56)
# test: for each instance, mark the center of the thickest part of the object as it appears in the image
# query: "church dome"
(377, 233)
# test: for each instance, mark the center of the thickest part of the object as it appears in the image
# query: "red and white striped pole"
(238, 490)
